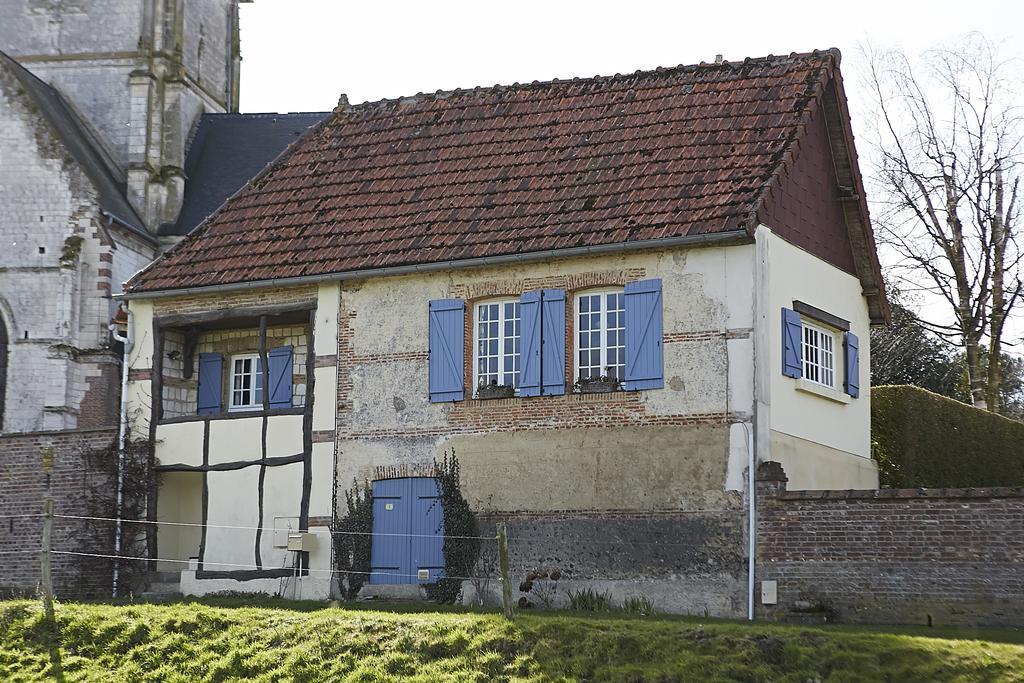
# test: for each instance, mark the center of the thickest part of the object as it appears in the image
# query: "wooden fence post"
(506, 583)
(44, 559)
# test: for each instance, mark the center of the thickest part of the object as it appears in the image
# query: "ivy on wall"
(99, 500)
(461, 532)
(352, 539)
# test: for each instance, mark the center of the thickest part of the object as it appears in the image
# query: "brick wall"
(24, 484)
(917, 556)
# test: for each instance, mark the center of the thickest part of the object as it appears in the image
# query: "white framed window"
(496, 348)
(601, 334)
(818, 348)
(246, 382)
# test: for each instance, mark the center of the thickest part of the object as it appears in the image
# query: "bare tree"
(947, 158)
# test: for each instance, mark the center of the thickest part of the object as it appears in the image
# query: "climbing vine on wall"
(461, 545)
(352, 539)
(99, 473)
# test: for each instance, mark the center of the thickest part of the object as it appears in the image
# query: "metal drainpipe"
(751, 519)
(122, 437)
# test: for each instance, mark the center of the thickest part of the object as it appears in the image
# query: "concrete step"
(164, 587)
(160, 595)
(391, 593)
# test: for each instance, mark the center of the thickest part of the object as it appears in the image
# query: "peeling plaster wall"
(562, 469)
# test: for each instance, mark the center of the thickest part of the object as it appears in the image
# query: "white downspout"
(122, 437)
(751, 521)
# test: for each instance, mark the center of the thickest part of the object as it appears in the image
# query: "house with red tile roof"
(609, 297)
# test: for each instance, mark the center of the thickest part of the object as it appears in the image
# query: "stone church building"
(119, 133)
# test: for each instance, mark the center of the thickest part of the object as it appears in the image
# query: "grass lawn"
(225, 640)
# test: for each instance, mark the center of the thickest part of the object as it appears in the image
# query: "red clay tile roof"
(507, 170)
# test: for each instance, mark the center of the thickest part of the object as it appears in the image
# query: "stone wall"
(909, 556)
(24, 483)
(54, 279)
(689, 562)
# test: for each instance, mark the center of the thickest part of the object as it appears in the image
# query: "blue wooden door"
(389, 556)
(408, 531)
(427, 528)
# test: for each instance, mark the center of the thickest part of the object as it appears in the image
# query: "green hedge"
(921, 439)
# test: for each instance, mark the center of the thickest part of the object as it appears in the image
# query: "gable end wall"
(804, 208)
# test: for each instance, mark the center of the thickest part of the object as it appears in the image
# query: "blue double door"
(408, 531)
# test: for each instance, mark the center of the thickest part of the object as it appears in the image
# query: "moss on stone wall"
(924, 439)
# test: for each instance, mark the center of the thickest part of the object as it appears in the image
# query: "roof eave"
(732, 237)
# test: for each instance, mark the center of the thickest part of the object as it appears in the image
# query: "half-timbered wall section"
(243, 440)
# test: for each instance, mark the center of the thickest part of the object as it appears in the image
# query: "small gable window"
(601, 335)
(818, 352)
(246, 382)
(497, 343)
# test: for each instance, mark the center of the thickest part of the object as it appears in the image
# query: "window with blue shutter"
(209, 393)
(792, 364)
(445, 362)
(644, 357)
(280, 363)
(552, 366)
(530, 344)
(851, 347)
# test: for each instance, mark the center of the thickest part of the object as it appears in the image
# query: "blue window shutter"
(792, 356)
(552, 366)
(644, 358)
(851, 347)
(280, 362)
(210, 367)
(445, 363)
(530, 344)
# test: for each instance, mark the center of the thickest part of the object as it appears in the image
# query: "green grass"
(224, 640)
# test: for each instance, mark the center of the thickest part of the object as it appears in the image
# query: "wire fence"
(291, 564)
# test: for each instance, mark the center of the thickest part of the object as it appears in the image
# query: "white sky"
(300, 55)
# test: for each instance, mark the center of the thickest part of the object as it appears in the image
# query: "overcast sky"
(300, 55)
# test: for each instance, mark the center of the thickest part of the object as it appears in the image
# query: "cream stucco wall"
(180, 501)
(820, 441)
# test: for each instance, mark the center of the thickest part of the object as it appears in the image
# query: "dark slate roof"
(83, 145)
(226, 151)
(506, 170)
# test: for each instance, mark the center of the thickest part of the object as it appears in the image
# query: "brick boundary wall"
(901, 556)
(22, 488)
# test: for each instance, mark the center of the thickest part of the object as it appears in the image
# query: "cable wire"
(266, 528)
(246, 566)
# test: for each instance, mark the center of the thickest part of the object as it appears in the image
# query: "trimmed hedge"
(921, 439)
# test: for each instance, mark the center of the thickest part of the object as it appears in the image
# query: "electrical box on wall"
(302, 540)
(769, 592)
(283, 526)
